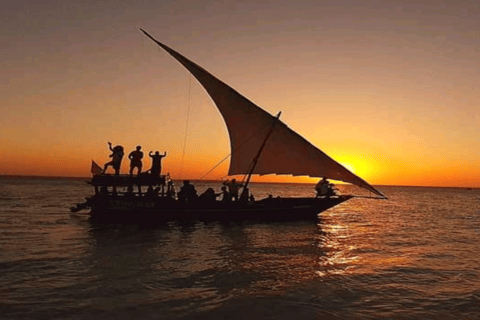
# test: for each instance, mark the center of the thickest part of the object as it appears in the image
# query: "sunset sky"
(390, 90)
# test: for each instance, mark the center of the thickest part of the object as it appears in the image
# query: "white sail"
(285, 152)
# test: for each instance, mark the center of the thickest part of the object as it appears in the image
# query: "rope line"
(236, 149)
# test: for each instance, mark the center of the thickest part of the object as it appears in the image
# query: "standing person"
(233, 187)
(136, 157)
(156, 168)
(117, 156)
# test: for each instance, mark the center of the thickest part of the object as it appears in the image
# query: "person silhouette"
(156, 168)
(136, 157)
(117, 156)
(226, 197)
(233, 187)
(324, 188)
(187, 192)
(209, 196)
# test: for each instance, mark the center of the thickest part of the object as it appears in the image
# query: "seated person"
(187, 192)
(226, 197)
(324, 188)
(209, 195)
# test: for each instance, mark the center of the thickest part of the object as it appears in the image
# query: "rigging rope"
(186, 124)
(236, 149)
(201, 178)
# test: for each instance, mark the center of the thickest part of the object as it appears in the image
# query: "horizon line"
(217, 180)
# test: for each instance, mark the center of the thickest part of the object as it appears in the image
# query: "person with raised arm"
(117, 156)
(156, 168)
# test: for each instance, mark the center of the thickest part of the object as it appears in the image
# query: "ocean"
(413, 256)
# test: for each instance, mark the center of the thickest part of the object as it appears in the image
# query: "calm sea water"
(414, 256)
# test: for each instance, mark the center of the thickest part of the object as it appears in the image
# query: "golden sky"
(388, 89)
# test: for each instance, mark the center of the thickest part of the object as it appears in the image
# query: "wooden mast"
(255, 160)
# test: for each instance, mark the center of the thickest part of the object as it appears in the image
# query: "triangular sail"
(286, 152)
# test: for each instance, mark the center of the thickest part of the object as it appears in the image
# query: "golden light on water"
(351, 247)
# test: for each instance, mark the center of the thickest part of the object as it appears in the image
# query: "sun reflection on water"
(349, 239)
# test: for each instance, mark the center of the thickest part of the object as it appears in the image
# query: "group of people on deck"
(135, 157)
(187, 192)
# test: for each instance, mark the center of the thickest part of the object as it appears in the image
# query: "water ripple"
(414, 256)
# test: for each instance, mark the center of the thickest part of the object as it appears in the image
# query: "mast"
(255, 160)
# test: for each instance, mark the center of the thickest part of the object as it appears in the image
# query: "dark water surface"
(414, 256)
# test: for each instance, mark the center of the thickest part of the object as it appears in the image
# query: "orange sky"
(388, 89)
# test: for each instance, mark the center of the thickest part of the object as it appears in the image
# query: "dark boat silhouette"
(260, 144)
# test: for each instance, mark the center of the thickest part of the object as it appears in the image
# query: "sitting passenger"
(226, 197)
(187, 192)
(209, 195)
(324, 188)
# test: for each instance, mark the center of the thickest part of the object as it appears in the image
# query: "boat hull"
(111, 209)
